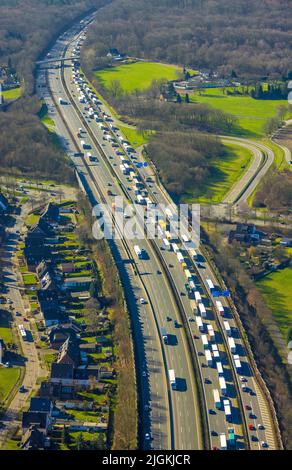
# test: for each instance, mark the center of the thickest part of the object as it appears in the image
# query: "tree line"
(26, 29)
(222, 35)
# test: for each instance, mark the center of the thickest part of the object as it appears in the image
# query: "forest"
(251, 38)
(27, 27)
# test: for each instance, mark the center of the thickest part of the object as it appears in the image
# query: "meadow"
(252, 114)
(138, 75)
(225, 174)
(5, 330)
(8, 378)
(10, 95)
(276, 289)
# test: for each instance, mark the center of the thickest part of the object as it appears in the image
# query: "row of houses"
(43, 257)
(71, 372)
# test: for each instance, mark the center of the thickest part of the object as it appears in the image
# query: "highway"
(175, 419)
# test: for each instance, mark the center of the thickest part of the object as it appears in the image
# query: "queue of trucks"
(198, 306)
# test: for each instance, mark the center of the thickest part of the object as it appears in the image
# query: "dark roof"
(40, 404)
(70, 350)
(60, 334)
(51, 213)
(3, 202)
(33, 439)
(62, 371)
(31, 417)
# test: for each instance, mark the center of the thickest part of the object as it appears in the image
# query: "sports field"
(252, 114)
(225, 173)
(137, 76)
(276, 289)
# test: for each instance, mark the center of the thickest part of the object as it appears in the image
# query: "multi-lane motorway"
(185, 418)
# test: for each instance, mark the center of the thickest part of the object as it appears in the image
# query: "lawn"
(276, 289)
(5, 331)
(29, 279)
(10, 95)
(138, 75)
(8, 378)
(252, 114)
(133, 136)
(225, 174)
(32, 219)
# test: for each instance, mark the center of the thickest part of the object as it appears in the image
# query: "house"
(41, 405)
(33, 439)
(77, 283)
(59, 334)
(2, 350)
(39, 419)
(4, 205)
(68, 377)
(114, 54)
(246, 228)
(286, 242)
(51, 214)
(35, 248)
(67, 268)
(62, 373)
(246, 233)
(50, 311)
(69, 352)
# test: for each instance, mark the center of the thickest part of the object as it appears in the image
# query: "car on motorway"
(22, 389)
(147, 436)
(247, 407)
(251, 427)
(264, 444)
(144, 373)
(25, 319)
(254, 438)
(143, 301)
(243, 379)
(168, 318)
(261, 426)
(18, 314)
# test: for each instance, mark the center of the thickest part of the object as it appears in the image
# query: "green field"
(252, 114)
(133, 136)
(8, 378)
(276, 289)
(29, 279)
(137, 76)
(224, 175)
(5, 331)
(10, 95)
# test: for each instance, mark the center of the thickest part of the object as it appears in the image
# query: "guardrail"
(253, 364)
(123, 241)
